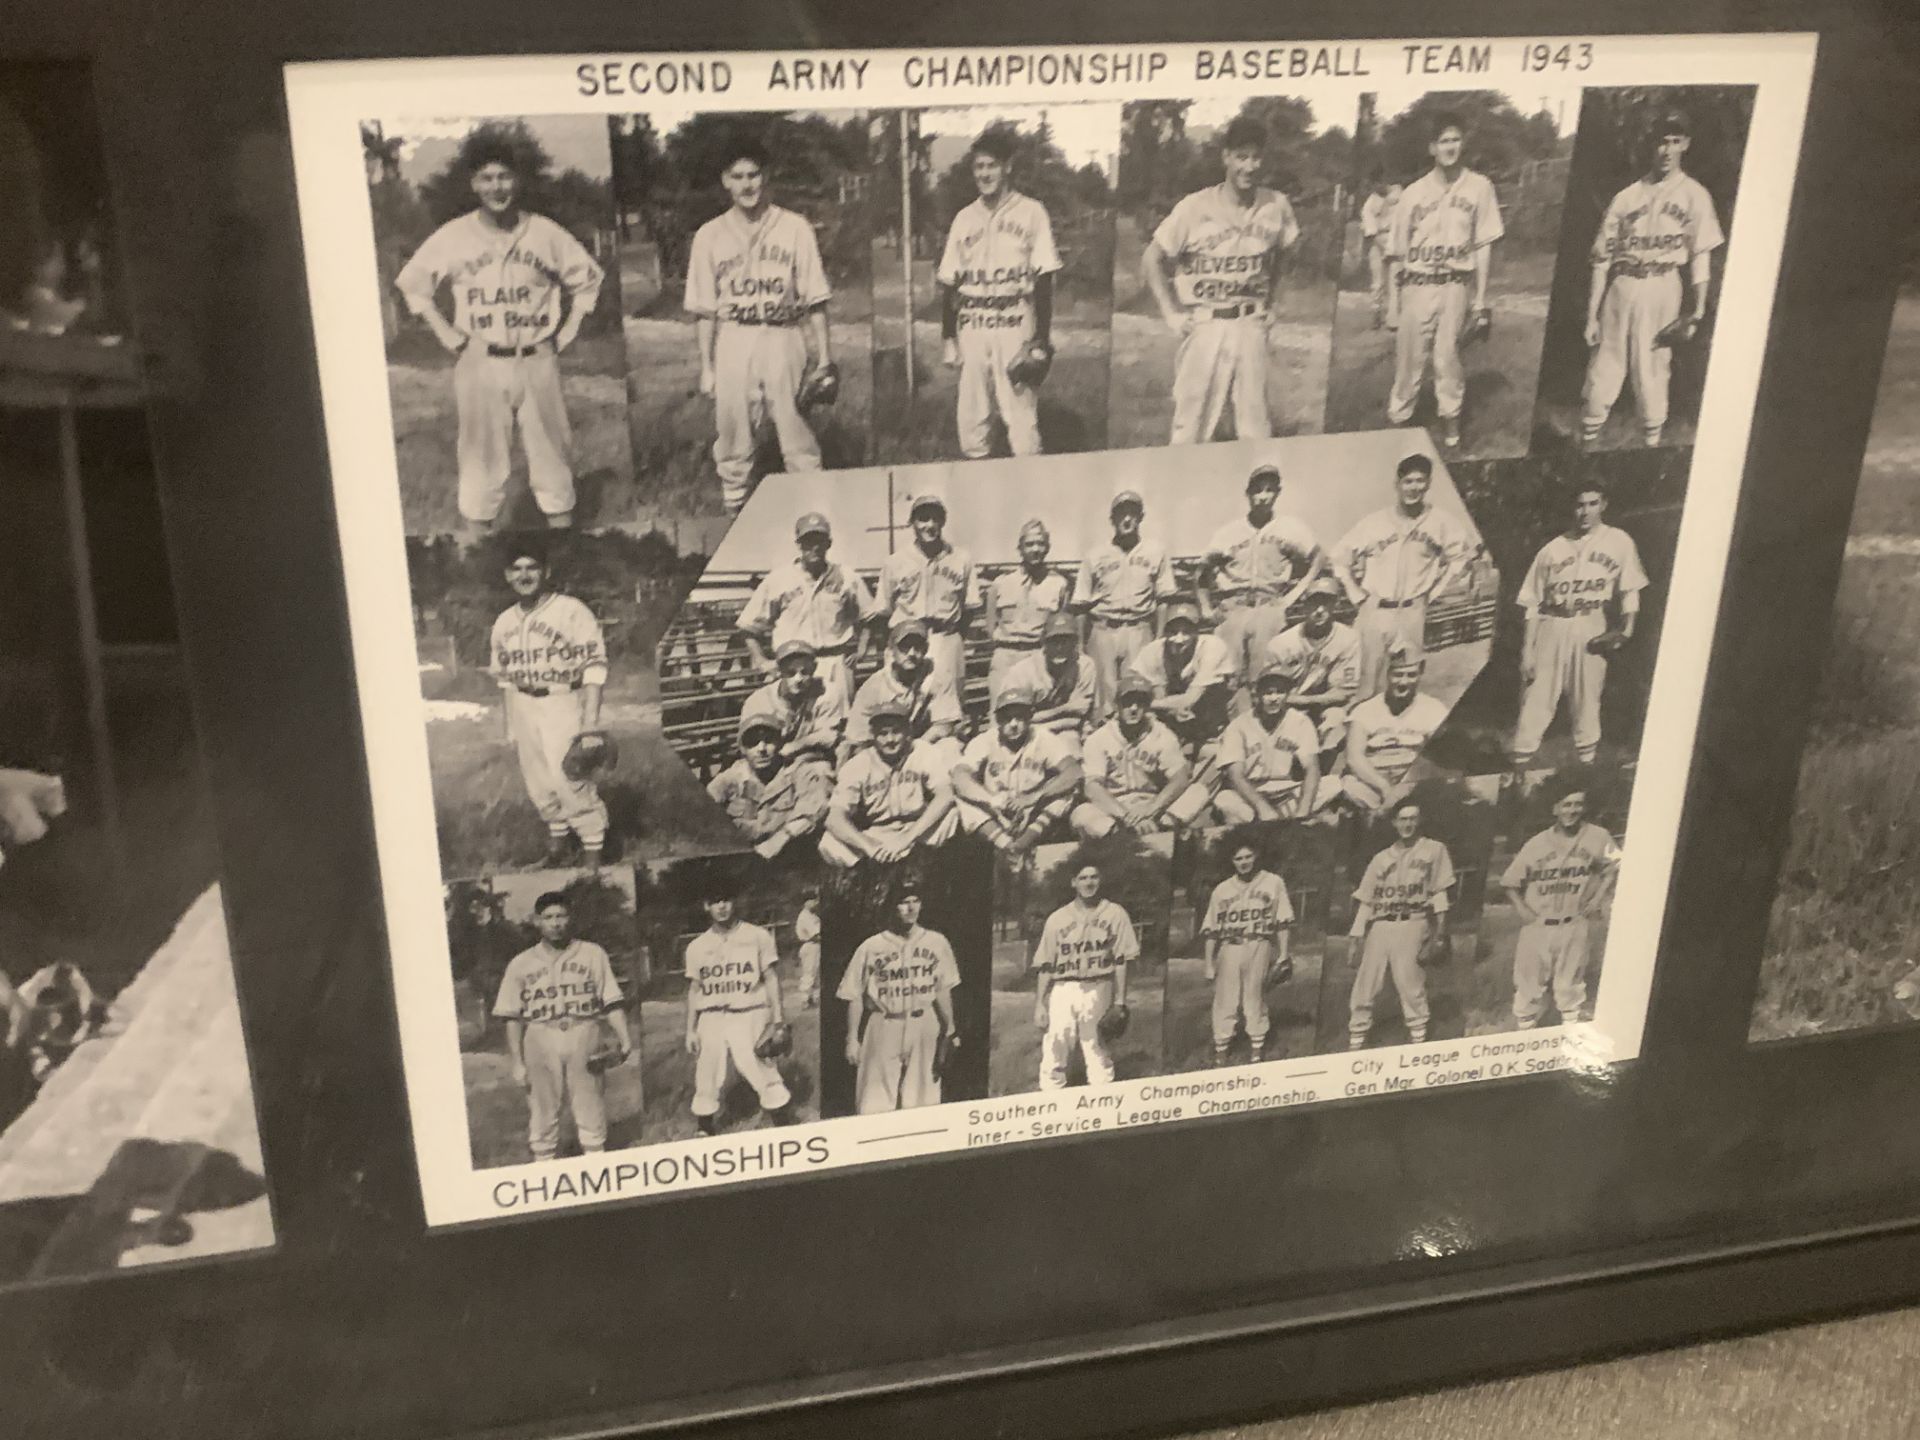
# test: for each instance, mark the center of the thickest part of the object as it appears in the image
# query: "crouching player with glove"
(1081, 963)
(898, 989)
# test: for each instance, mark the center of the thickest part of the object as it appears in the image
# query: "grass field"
(592, 378)
(1292, 1013)
(1502, 372)
(668, 1068)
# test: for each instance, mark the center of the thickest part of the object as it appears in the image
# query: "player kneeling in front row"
(1385, 735)
(1136, 776)
(899, 993)
(1399, 925)
(1556, 882)
(1247, 927)
(736, 1016)
(893, 798)
(554, 997)
(1015, 782)
(1269, 757)
(773, 801)
(1080, 1001)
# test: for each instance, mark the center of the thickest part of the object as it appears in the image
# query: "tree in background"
(1500, 140)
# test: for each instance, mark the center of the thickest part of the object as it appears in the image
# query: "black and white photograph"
(746, 286)
(731, 1001)
(547, 975)
(1227, 250)
(1456, 218)
(1007, 270)
(494, 250)
(129, 1136)
(1080, 964)
(1650, 196)
(1248, 931)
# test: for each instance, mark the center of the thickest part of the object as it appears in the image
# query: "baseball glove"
(1607, 642)
(775, 1041)
(1478, 327)
(1113, 1024)
(1438, 950)
(607, 1050)
(1031, 368)
(1677, 332)
(822, 387)
(591, 753)
(943, 1049)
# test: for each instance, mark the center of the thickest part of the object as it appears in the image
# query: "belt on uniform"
(833, 652)
(1640, 269)
(756, 320)
(731, 1009)
(1249, 599)
(508, 352)
(901, 1014)
(1107, 622)
(1401, 915)
(1435, 277)
(1386, 604)
(1231, 312)
(540, 692)
(1564, 920)
(1016, 644)
(941, 627)
(1558, 612)
(564, 1023)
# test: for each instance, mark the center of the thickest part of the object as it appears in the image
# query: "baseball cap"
(1275, 670)
(1132, 682)
(1674, 122)
(1013, 696)
(929, 499)
(1061, 624)
(1402, 656)
(889, 709)
(1324, 585)
(1183, 610)
(751, 723)
(1128, 497)
(1034, 527)
(908, 629)
(1264, 475)
(1415, 464)
(812, 523)
(790, 648)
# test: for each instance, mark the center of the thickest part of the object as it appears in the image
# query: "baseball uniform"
(993, 257)
(1066, 701)
(1329, 665)
(1398, 560)
(1272, 761)
(1122, 590)
(1009, 774)
(1568, 588)
(1254, 567)
(1402, 894)
(806, 932)
(512, 291)
(763, 806)
(810, 728)
(756, 280)
(1556, 875)
(1021, 605)
(1394, 739)
(1245, 918)
(1225, 257)
(827, 613)
(891, 798)
(1080, 948)
(1376, 220)
(1437, 229)
(1134, 769)
(1647, 240)
(543, 659)
(896, 979)
(729, 973)
(939, 589)
(926, 704)
(559, 996)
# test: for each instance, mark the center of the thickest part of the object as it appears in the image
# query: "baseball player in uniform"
(550, 662)
(1081, 964)
(1387, 732)
(1135, 774)
(906, 681)
(933, 582)
(1020, 602)
(1247, 928)
(1393, 562)
(1270, 756)
(522, 287)
(1257, 566)
(1652, 257)
(1439, 254)
(1555, 883)
(809, 717)
(553, 998)
(733, 994)
(1119, 590)
(1014, 782)
(806, 932)
(899, 994)
(774, 802)
(1398, 920)
(757, 292)
(1324, 656)
(816, 600)
(1376, 223)
(1578, 579)
(893, 798)
(1062, 683)
(996, 302)
(1213, 267)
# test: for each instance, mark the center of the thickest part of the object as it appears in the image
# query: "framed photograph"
(825, 659)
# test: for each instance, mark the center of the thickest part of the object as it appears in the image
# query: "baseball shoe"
(708, 1124)
(1450, 434)
(559, 851)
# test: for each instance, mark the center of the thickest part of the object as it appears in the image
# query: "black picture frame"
(1289, 1259)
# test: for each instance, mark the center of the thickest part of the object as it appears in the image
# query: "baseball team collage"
(919, 606)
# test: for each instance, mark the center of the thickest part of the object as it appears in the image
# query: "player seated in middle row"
(906, 681)
(1387, 732)
(1015, 781)
(894, 797)
(1324, 656)
(1062, 681)
(1269, 757)
(809, 715)
(1193, 676)
(1136, 775)
(774, 801)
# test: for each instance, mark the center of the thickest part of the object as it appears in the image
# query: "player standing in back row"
(1652, 258)
(1213, 267)
(1439, 255)
(996, 302)
(522, 287)
(754, 280)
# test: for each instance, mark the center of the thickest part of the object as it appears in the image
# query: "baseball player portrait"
(1015, 782)
(906, 682)
(815, 600)
(806, 932)
(1269, 757)
(1020, 603)
(1247, 934)
(1399, 925)
(1323, 655)
(1136, 777)
(898, 989)
(1227, 249)
(1119, 590)
(932, 582)
(893, 797)
(774, 800)
(1376, 224)
(1061, 679)
(1080, 991)
(1559, 884)
(503, 287)
(1387, 732)
(1257, 566)
(1581, 601)
(736, 1022)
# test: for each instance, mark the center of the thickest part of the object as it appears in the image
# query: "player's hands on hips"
(564, 337)
(454, 341)
(950, 353)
